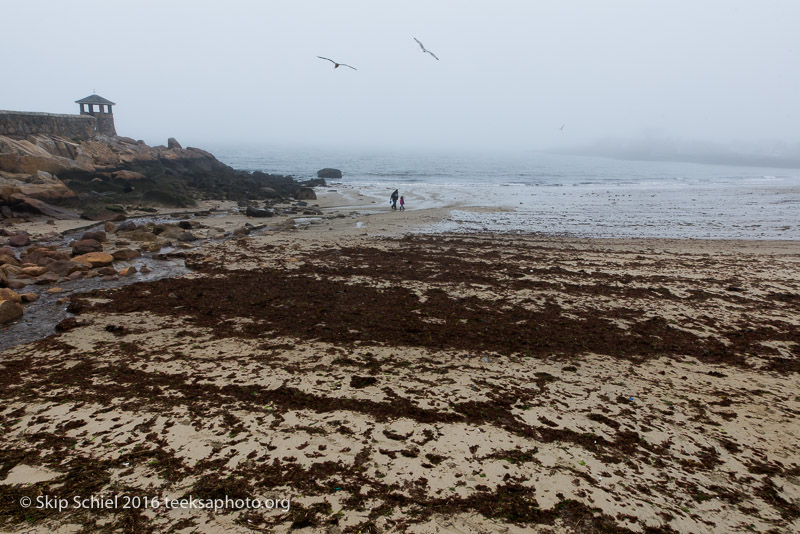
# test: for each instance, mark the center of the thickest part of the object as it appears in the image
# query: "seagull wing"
(332, 61)
(346, 65)
(431, 53)
(422, 46)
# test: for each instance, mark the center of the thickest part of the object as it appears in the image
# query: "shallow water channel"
(44, 314)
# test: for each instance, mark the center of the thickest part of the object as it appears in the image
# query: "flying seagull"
(562, 126)
(422, 46)
(337, 65)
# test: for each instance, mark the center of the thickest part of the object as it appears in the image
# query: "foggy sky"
(510, 72)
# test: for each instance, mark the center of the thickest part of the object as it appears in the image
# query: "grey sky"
(510, 72)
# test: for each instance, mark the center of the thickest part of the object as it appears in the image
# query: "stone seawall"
(21, 123)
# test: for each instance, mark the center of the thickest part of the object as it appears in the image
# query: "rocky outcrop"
(65, 178)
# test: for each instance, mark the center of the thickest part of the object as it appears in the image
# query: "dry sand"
(392, 383)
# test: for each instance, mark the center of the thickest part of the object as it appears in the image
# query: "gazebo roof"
(95, 99)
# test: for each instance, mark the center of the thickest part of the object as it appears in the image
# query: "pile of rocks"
(25, 265)
(270, 209)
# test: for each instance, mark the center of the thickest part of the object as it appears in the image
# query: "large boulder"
(305, 193)
(9, 310)
(85, 246)
(173, 143)
(329, 173)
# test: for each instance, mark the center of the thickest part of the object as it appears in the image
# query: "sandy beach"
(356, 376)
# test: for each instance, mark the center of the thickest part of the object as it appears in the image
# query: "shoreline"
(354, 201)
(384, 380)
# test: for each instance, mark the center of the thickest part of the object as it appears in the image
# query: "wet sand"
(387, 382)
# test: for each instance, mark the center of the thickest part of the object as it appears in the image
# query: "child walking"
(402, 203)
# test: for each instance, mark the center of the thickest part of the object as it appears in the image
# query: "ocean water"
(555, 194)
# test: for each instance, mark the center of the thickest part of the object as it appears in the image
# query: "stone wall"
(21, 123)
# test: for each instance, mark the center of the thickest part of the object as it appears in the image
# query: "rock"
(128, 175)
(305, 193)
(9, 310)
(77, 275)
(42, 256)
(6, 212)
(95, 259)
(34, 254)
(3, 278)
(8, 294)
(11, 270)
(97, 235)
(109, 227)
(127, 226)
(47, 278)
(45, 186)
(329, 173)
(150, 247)
(34, 271)
(107, 271)
(128, 271)
(70, 323)
(39, 185)
(54, 290)
(168, 231)
(173, 143)
(145, 269)
(186, 225)
(8, 259)
(241, 231)
(29, 297)
(257, 212)
(85, 246)
(64, 267)
(125, 254)
(186, 237)
(25, 203)
(19, 240)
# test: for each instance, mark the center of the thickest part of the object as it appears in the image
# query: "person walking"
(402, 203)
(393, 198)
